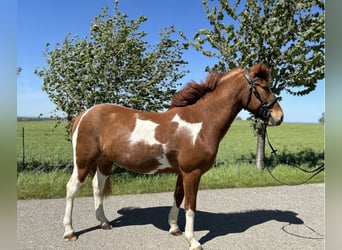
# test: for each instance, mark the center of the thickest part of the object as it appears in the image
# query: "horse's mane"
(194, 91)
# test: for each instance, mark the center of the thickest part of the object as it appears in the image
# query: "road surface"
(286, 217)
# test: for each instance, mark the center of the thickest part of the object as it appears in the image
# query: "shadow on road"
(217, 224)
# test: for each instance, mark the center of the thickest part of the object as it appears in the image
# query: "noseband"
(264, 109)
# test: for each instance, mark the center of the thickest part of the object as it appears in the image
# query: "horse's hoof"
(197, 248)
(106, 226)
(176, 232)
(70, 237)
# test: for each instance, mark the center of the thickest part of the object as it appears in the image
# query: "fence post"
(23, 133)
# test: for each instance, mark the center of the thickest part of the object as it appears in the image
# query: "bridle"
(264, 111)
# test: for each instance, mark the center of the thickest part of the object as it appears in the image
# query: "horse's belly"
(148, 159)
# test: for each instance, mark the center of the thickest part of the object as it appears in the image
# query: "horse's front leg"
(191, 183)
(178, 199)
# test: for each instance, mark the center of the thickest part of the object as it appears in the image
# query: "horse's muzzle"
(275, 119)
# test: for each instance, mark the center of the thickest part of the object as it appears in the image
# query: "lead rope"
(318, 235)
(314, 172)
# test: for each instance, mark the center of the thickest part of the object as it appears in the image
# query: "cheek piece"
(264, 111)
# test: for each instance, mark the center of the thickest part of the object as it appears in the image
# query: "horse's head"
(260, 100)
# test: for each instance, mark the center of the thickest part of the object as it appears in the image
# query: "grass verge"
(52, 185)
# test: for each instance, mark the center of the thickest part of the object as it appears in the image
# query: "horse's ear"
(261, 71)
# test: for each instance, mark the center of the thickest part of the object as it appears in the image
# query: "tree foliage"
(115, 64)
(287, 35)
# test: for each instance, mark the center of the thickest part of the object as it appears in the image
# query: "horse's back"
(100, 115)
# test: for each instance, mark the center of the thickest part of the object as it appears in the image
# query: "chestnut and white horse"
(182, 140)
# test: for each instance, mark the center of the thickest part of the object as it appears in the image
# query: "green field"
(45, 145)
(47, 150)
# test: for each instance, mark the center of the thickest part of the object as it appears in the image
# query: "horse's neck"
(218, 111)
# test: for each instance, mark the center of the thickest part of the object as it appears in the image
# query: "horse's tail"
(107, 189)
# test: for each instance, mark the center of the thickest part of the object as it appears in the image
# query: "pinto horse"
(182, 140)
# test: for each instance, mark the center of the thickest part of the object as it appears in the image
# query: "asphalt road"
(287, 217)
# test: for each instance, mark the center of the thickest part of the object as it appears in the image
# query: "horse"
(183, 139)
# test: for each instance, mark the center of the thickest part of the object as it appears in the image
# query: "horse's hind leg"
(98, 182)
(178, 199)
(72, 187)
(82, 166)
(100, 188)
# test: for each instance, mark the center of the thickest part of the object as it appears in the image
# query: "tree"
(286, 35)
(115, 64)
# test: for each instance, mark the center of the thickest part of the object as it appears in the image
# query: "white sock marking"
(98, 183)
(189, 229)
(173, 218)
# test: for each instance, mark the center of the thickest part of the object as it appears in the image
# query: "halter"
(264, 109)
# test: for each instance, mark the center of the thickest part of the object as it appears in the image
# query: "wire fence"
(42, 148)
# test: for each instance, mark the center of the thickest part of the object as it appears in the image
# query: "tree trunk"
(260, 150)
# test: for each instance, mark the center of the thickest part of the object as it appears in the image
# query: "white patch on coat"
(144, 131)
(163, 161)
(193, 128)
(164, 164)
(74, 139)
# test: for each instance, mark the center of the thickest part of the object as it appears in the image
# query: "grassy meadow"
(45, 169)
(45, 145)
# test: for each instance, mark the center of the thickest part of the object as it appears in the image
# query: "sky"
(45, 21)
